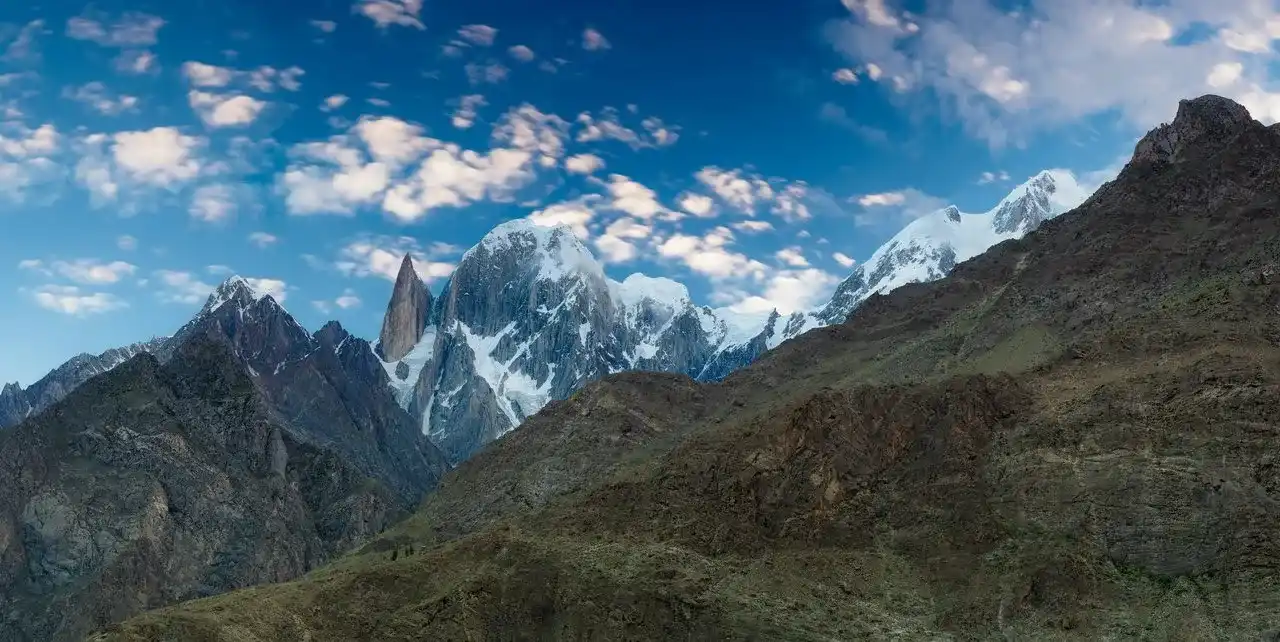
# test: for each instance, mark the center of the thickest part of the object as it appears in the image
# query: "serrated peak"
(406, 316)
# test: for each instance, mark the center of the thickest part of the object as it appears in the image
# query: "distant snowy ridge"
(529, 315)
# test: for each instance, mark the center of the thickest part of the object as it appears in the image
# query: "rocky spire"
(1209, 118)
(406, 316)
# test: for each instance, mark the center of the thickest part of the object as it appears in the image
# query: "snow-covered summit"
(639, 288)
(558, 250)
(236, 288)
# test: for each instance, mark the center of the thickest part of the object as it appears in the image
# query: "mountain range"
(529, 316)
(1068, 436)
(245, 449)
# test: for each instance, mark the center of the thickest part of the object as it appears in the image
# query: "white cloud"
(23, 48)
(263, 239)
(742, 192)
(465, 115)
(181, 287)
(521, 53)
(200, 74)
(393, 141)
(882, 199)
(792, 256)
(844, 260)
(608, 126)
(221, 110)
(71, 300)
(1224, 74)
(452, 177)
(274, 288)
(82, 271)
(481, 35)
(583, 164)
(98, 97)
(593, 40)
(634, 198)
(1006, 74)
(790, 291)
(131, 29)
(993, 177)
(325, 26)
(492, 73)
(159, 156)
(27, 163)
(333, 102)
(710, 255)
(135, 62)
(527, 129)
(267, 79)
(753, 227)
(380, 256)
(617, 244)
(126, 243)
(896, 207)
(697, 204)
(218, 270)
(348, 300)
(575, 214)
(385, 13)
(844, 76)
(213, 203)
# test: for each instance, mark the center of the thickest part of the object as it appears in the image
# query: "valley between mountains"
(1052, 420)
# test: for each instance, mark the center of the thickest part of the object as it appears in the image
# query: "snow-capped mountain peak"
(237, 289)
(559, 251)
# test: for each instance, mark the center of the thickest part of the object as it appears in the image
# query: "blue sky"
(748, 150)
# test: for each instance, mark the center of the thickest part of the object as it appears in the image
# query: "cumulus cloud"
(697, 204)
(200, 74)
(27, 162)
(388, 13)
(133, 161)
(325, 26)
(1006, 74)
(82, 271)
(792, 256)
(333, 102)
(845, 76)
(213, 203)
(575, 214)
(896, 207)
(131, 29)
(176, 286)
(126, 242)
(262, 239)
(711, 255)
(583, 164)
(380, 256)
(993, 177)
(465, 115)
(608, 126)
(96, 96)
(521, 53)
(225, 110)
(790, 291)
(593, 40)
(481, 35)
(844, 260)
(74, 301)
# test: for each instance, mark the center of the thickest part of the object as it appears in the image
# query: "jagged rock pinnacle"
(406, 316)
(1208, 118)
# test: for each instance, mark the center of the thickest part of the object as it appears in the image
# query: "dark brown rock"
(406, 315)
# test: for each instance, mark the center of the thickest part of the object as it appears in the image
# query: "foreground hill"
(1071, 436)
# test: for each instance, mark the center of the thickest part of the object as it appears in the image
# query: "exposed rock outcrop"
(406, 315)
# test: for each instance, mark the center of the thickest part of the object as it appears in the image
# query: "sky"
(754, 151)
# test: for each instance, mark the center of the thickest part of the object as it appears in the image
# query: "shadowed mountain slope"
(1069, 437)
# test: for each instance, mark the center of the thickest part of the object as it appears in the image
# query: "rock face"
(1205, 121)
(1069, 437)
(529, 316)
(156, 483)
(406, 316)
(329, 388)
